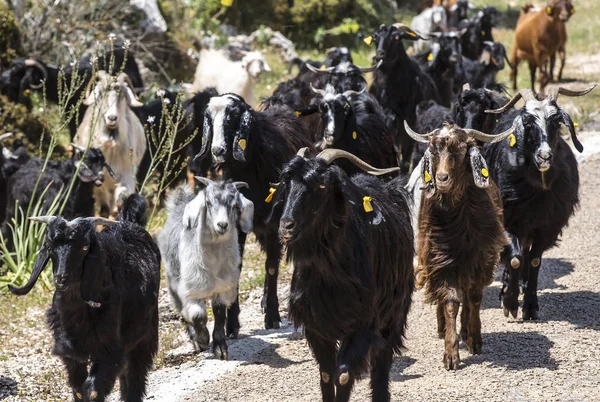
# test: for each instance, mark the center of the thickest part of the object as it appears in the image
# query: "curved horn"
(319, 71)
(554, 92)
(131, 97)
(47, 219)
(96, 220)
(365, 70)
(204, 180)
(331, 154)
(39, 66)
(5, 136)
(302, 152)
(478, 135)
(317, 91)
(88, 89)
(352, 92)
(526, 94)
(240, 184)
(424, 138)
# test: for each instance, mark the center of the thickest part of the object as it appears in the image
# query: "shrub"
(10, 43)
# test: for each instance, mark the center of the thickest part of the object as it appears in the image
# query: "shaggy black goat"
(334, 56)
(15, 158)
(105, 307)
(400, 85)
(3, 177)
(471, 106)
(458, 13)
(351, 244)
(479, 30)
(252, 147)
(346, 76)
(537, 175)
(430, 116)
(460, 233)
(482, 73)
(355, 125)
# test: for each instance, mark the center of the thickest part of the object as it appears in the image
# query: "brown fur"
(460, 239)
(538, 37)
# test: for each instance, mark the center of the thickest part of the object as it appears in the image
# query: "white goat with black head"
(203, 257)
(109, 123)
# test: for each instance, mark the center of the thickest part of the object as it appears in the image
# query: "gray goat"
(200, 249)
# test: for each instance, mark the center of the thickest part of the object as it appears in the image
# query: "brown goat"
(461, 232)
(562, 53)
(537, 39)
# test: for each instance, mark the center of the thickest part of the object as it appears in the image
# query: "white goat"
(216, 70)
(430, 20)
(110, 124)
(202, 257)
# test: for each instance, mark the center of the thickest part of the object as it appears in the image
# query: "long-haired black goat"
(479, 31)
(3, 176)
(105, 307)
(460, 233)
(537, 174)
(482, 73)
(399, 84)
(471, 105)
(351, 244)
(252, 147)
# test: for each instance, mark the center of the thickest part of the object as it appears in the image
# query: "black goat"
(479, 31)
(355, 125)
(252, 147)
(430, 116)
(346, 76)
(458, 13)
(482, 73)
(15, 158)
(471, 106)
(3, 177)
(194, 110)
(334, 56)
(536, 172)
(399, 85)
(351, 244)
(105, 306)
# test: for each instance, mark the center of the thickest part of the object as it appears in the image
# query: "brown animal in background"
(562, 53)
(430, 3)
(538, 37)
(461, 232)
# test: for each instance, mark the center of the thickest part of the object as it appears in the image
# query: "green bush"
(10, 43)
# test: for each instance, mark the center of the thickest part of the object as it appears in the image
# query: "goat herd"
(314, 171)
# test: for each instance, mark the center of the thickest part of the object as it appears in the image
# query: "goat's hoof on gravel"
(272, 324)
(510, 304)
(232, 333)
(451, 360)
(220, 351)
(474, 346)
(530, 314)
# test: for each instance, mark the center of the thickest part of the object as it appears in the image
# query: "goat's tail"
(134, 210)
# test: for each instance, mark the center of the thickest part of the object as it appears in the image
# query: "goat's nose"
(112, 117)
(61, 279)
(287, 224)
(380, 53)
(544, 155)
(222, 225)
(441, 177)
(218, 151)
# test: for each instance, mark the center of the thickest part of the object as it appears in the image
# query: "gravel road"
(555, 358)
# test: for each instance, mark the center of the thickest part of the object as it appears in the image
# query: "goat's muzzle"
(287, 230)
(60, 283)
(543, 158)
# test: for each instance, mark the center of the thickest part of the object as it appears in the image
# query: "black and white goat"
(200, 249)
(482, 73)
(253, 147)
(111, 125)
(104, 312)
(537, 174)
(351, 244)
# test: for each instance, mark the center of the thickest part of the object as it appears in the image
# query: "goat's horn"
(478, 135)
(424, 138)
(275, 185)
(204, 180)
(365, 70)
(302, 152)
(352, 92)
(526, 94)
(5, 136)
(466, 87)
(124, 77)
(88, 89)
(488, 42)
(47, 219)
(319, 71)
(240, 184)
(39, 66)
(554, 92)
(317, 91)
(82, 149)
(331, 154)
(97, 220)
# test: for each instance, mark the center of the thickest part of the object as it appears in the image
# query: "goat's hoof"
(530, 314)
(474, 345)
(464, 335)
(451, 359)
(515, 262)
(220, 351)
(510, 304)
(232, 333)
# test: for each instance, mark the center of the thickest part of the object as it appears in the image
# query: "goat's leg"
(352, 361)
(381, 362)
(76, 373)
(271, 304)
(551, 70)
(464, 317)
(101, 379)
(451, 357)
(219, 343)
(194, 314)
(530, 300)
(562, 54)
(532, 71)
(233, 312)
(474, 341)
(406, 152)
(512, 261)
(139, 362)
(441, 321)
(514, 72)
(325, 353)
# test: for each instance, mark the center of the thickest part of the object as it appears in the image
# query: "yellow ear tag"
(427, 177)
(414, 35)
(367, 203)
(512, 140)
(484, 172)
(482, 33)
(323, 67)
(368, 40)
(270, 196)
(549, 10)
(298, 113)
(226, 3)
(430, 57)
(354, 135)
(242, 144)
(575, 125)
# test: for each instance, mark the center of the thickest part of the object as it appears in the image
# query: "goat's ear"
(246, 213)
(242, 135)
(192, 211)
(93, 276)
(207, 134)
(479, 168)
(132, 100)
(7, 154)
(569, 123)
(486, 57)
(427, 174)
(90, 99)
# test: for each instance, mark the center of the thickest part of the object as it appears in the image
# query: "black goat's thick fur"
(471, 106)
(353, 276)
(104, 312)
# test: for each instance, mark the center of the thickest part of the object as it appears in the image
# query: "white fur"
(428, 21)
(217, 108)
(239, 77)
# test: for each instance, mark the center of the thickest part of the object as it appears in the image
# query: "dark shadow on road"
(8, 387)
(400, 364)
(515, 351)
(581, 309)
(267, 354)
